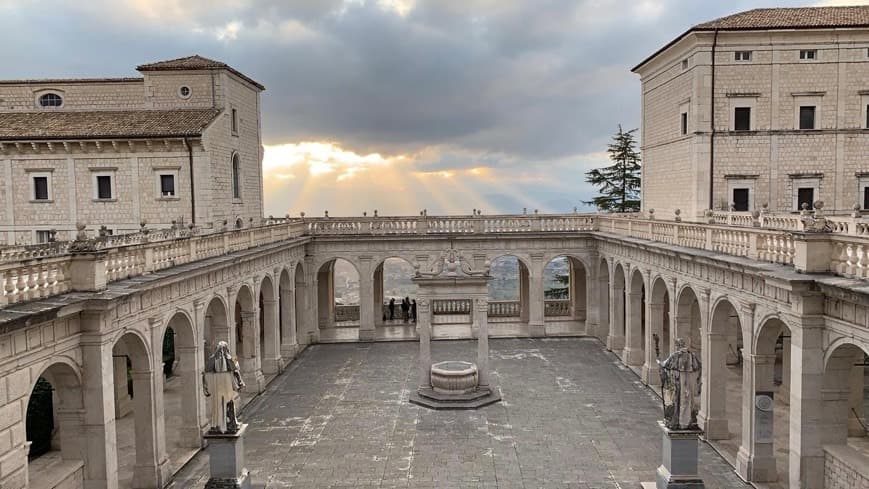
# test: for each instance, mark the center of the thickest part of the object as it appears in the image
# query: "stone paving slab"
(571, 417)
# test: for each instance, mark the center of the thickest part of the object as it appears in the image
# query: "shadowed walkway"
(572, 417)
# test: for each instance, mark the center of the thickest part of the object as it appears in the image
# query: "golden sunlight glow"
(321, 158)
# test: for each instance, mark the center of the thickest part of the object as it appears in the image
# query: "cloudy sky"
(396, 105)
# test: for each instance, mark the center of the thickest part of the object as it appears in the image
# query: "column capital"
(155, 321)
(198, 303)
(269, 302)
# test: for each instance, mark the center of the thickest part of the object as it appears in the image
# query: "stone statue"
(221, 372)
(680, 382)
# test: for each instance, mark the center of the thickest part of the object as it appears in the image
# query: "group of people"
(408, 310)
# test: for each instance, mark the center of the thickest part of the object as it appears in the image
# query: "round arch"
(509, 289)
(269, 355)
(247, 336)
(721, 413)
(635, 320)
(300, 301)
(843, 401)
(603, 298)
(688, 323)
(393, 273)
(568, 298)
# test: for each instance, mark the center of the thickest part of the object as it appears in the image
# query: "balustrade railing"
(346, 313)
(504, 309)
(33, 279)
(556, 308)
(451, 306)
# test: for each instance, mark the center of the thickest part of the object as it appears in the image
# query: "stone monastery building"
(181, 143)
(761, 109)
(103, 338)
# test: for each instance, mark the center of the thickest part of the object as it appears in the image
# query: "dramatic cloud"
(397, 105)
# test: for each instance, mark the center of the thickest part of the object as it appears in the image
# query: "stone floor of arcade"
(572, 417)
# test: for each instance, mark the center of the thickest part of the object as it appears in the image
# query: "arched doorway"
(766, 460)
(508, 295)
(268, 328)
(182, 389)
(54, 427)
(721, 410)
(658, 340)
(634, 353)
(843, 430)
(338, 294)
(688, 321)
(247, 339)
(564, 295)
(393, 282)
(142, 459)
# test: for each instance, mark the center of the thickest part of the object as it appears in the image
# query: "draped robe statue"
(222, 374)
(680, 382)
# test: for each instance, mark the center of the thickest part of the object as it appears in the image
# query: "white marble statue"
(222, 374)
(680, 382)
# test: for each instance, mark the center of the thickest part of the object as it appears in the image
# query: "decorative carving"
(452, 264)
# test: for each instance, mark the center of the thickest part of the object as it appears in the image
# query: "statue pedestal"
(226, 455)
(679, 467)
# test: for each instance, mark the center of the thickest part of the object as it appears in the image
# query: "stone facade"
(134, 162)
(774, 158)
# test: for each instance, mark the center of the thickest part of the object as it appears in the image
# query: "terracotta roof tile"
(59, 81)
(51, 125)
(195, 62)
(791, 18)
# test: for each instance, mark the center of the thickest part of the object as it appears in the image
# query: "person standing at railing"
(413, 311)
(392, 308)
(405, 308)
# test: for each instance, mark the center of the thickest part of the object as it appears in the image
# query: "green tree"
(561, 291)
(618, 184)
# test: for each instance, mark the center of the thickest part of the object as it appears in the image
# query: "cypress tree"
(618, 184)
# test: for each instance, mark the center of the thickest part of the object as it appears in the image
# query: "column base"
(755, 468)
(713, 428)
(537, 330)
(123, 406)
(288, 353)
(271, 366)
(615, 343)
(366, 335)
(226, 460)
(255, 381)
(632, 356)
(191, 437)
(150, 476)
(651, 374)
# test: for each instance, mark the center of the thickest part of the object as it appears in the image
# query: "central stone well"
(454, 377)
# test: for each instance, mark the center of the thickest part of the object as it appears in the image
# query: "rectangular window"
(740, 199)
(685, 64)
(43, 236)
(167, 185)
(683, 120)
(866, 198)
(104, 187)
(807, 117)
(742, 55)
(742, 119)
(808, 54)
(40, 188)
(867, 117)
(234, 121)
(805, 195)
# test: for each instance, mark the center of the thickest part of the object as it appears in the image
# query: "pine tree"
(619, 184)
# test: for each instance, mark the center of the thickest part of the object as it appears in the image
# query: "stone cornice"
(98, 146)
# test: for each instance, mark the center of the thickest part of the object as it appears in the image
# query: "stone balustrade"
(41, 270)
(451, 307)
(504, 309)
(345, 313)
(556, 308)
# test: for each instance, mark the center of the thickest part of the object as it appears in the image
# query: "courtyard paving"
(572, 417)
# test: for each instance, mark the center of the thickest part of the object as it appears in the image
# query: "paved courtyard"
(572, 417)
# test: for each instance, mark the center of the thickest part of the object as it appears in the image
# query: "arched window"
(236, 177)
(50, 100)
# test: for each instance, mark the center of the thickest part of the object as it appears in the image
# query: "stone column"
(271, 359)
(712, 417)
(655, 318)
(536, 320)
(312, 312)
(633, 352)
(423, 314)
(366, 304)
(378, 295)
(250, 365)
(123, 402)
(855, 397)
(325, 298)
(151, 470)
(745, 454)
(193, 417)
(784, 391)
(101, 469)
(602, 304)
(592, 306)
(524, 294)
(481, 318)
(199, 364)
(615, 342)
(806, 463)
(288, 323)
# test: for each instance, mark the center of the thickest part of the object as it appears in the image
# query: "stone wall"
(844, 468)
(86, 95)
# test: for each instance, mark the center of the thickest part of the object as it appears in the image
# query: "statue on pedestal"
(680, 382)
(222, 373)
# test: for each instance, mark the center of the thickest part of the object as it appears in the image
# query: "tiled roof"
(780, 18)
(195, 62)
(791, 18)
(51, 125)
